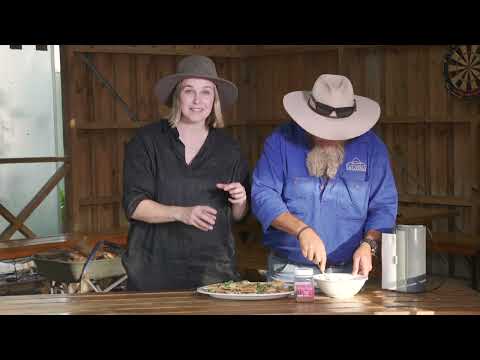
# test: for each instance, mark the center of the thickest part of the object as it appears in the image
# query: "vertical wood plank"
(123, 138)
(475, 145)
(252, 112)
(401, 150)
(103, 101)
(389, 137)
(374, 76)
(104, 164)
(428, 157)
(244, 90)
(223, 71)
(396, 83)
(354, 68)
(68, 134)
(264, 83)
(412, 159)
(124, 85)
(295, 69)
(235, 77)
(279, 88)
(439, 159)
(417, 82)
(86, 219)
(422, 166)
(462, 158)
(146, 76)
(164, 65)
(436, 84)
(76, 112)
(84, 187)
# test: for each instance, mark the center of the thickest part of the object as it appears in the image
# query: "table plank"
(454, 297)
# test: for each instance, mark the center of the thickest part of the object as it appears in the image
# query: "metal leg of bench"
(87, 280)
(116, 283)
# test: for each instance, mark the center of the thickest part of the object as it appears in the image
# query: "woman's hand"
(236, 191)
(238, 198)
(201, 217)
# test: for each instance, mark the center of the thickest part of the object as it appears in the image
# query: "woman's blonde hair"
(215, 119)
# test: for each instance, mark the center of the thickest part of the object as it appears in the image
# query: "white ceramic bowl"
(339, 285)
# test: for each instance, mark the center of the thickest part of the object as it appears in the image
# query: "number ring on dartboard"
(462, 70)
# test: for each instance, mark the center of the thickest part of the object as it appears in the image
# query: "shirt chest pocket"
(297, 192)
(352, 198)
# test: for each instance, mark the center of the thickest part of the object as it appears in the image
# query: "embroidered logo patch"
(356, 165)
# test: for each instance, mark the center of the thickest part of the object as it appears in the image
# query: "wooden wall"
(432, 136)
(98, 127)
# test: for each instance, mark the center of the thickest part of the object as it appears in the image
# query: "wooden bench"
(457, 243)
(14, 249)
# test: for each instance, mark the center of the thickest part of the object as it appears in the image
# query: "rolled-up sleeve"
(242, 176)
(242, 173)
(383, 202)
(267, 183)
(138, 176)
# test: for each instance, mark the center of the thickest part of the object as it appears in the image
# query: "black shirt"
(175, 255)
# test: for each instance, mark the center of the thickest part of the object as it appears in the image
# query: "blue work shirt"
(361, 197)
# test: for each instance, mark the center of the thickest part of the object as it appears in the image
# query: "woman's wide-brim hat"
(196, 66)
(332, 111)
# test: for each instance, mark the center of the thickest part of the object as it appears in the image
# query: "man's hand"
(362, 260)
(202, 217)
(313, 248)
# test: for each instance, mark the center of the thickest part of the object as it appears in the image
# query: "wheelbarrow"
(57, 270)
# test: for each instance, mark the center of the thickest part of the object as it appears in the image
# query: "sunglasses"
(325, 110)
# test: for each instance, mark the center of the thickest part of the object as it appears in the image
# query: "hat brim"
(362, 120)
(164, 88)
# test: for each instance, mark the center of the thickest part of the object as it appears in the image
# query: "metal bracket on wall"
(86, 59)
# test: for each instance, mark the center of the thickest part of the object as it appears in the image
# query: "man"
(323, 188)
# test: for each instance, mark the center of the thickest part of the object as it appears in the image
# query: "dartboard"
(462, 70)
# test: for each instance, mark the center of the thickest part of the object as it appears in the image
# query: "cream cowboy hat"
(196, 66)
(332, 111)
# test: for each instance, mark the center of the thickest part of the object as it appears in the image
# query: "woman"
(185, 181)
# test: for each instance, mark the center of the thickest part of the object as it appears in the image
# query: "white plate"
(203, 290)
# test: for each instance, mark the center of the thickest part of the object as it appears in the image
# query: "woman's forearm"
(239, 211)
(152, 212)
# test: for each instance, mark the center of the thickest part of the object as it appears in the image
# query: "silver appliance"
(404, 255)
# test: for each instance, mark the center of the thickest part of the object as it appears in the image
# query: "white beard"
(325, 160)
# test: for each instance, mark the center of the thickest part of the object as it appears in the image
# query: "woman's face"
(196, 99)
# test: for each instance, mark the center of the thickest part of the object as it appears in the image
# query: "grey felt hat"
(196, 66)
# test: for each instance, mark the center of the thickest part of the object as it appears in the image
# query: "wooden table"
(454, 297)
